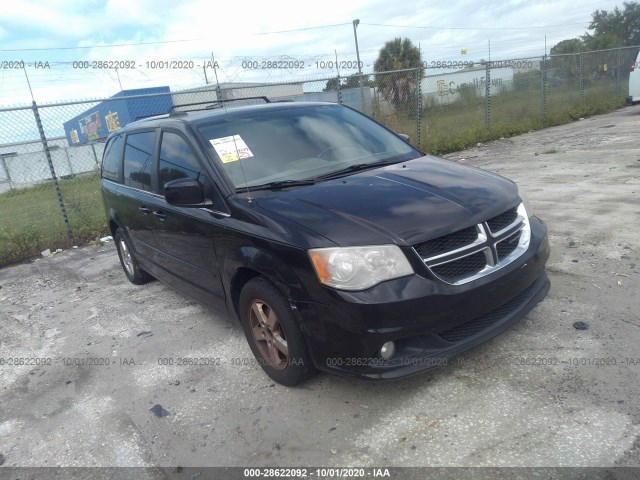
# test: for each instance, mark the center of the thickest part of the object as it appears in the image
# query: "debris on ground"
(581, 325)
(158, 411)
(45, 253)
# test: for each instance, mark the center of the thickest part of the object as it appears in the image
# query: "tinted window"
(177, 160)
(111, 159)
(299, 142)
(137, 160)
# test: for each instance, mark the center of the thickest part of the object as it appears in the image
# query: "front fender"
(275, 264)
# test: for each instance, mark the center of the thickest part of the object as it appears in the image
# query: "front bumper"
(428, 320)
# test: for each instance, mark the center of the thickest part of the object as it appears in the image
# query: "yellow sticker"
(231, 149)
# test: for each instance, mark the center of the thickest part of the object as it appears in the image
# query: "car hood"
(404, 203)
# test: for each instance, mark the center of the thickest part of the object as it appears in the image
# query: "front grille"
(506, 247)
(476, 251)
(461, 268)
(461, 332)
(503, 220)
(447, 243)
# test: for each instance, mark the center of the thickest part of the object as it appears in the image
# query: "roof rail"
(211, 105)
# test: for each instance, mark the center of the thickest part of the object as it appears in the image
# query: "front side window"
(294, 143)
(138, 161)
(177, 160)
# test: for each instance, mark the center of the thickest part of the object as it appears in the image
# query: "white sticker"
(231, 149)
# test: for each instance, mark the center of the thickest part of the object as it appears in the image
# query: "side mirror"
(404, 136)
(185, 192)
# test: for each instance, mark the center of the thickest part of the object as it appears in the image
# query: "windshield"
(260, 147)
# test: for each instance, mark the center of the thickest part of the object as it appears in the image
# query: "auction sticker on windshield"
(231, 149)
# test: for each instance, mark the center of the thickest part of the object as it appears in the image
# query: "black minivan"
(337, 244)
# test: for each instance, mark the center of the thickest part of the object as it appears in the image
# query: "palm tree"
(398, 54)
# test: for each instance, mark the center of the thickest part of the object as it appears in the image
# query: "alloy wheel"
(268, 335)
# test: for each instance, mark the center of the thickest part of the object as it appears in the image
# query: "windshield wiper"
(310, 181)
(277, 185)
(355, 168)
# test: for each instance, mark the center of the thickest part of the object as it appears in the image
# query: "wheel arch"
(250, 262)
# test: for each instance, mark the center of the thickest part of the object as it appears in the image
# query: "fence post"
(418, 106)
(95, 156)
(6, 169)
(66, 153)
(487, 96)
(338, 91)
(362, 109)
(47, 154)
(543, 89)
(618, 73)
(581, 80)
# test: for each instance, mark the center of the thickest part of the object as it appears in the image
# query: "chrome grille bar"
(486, 242)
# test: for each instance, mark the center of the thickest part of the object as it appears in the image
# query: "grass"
(456, 126)
(30, 218)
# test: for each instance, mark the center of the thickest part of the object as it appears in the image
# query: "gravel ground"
(541, 394)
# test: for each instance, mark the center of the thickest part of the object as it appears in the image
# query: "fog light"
(388, 350)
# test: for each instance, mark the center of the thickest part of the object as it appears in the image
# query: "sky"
(50, 35)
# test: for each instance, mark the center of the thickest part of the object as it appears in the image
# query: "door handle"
(144, 210)
(160, 215)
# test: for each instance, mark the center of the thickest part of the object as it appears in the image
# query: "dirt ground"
(542, 394)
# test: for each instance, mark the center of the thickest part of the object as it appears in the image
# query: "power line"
(159, 42)
(472, 28)
(96, 46)
(86, 47)
(305, 28)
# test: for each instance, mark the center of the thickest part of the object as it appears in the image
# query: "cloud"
(232, 35)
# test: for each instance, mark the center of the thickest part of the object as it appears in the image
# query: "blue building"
(110, 115)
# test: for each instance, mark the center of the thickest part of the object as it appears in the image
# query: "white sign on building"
(445, 88)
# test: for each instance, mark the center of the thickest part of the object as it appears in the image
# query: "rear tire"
(130, 265)
(273, 333)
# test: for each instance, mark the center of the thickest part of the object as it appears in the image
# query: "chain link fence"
(50, 154)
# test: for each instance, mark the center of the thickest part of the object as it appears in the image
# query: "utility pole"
(119, 82)
(356, 22)
(215, 71)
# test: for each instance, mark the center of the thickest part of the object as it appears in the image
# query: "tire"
(130, 265)
(273, 333)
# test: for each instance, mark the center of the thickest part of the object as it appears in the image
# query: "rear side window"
(111, 159)
(138, 160)
(177, 160)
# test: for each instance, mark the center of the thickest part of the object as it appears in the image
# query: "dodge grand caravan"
(336, 244)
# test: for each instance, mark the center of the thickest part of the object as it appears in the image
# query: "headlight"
(358, 268)
(525, 200)
(525, 236)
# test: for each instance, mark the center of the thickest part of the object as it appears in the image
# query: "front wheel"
(273, 333)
